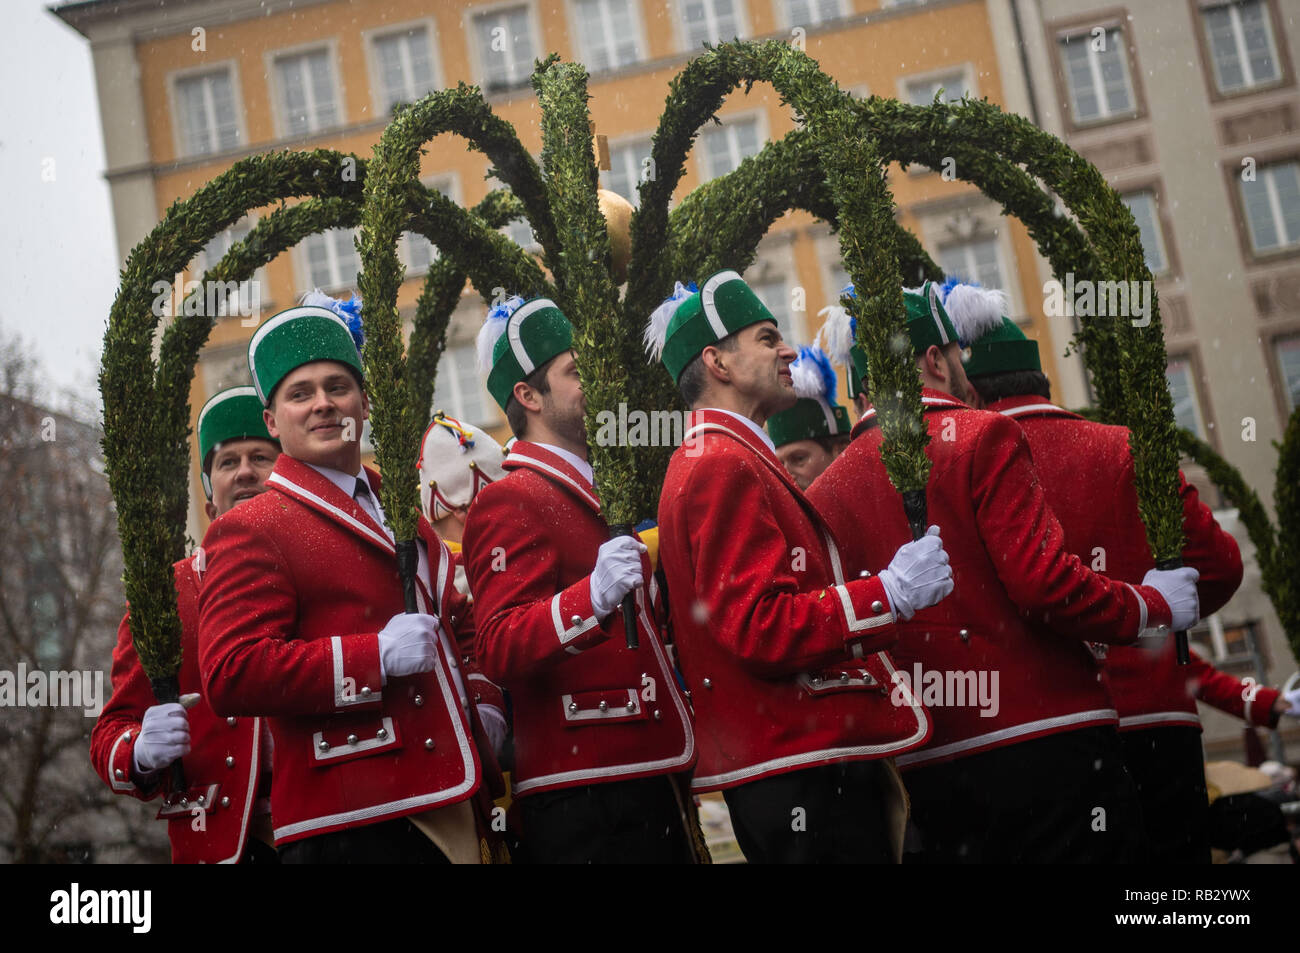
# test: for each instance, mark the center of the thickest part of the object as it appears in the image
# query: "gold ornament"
(618, 224)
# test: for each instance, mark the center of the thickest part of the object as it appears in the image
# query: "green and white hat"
(997, 345)
(816, 413)
(232, 414)
(517, 338)
(926, 321)
(689, 321)
(320, 329)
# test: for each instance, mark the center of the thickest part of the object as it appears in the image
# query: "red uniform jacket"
(1079, 459)
(1000, 660)
(586, 707)
(300, 580)
(224, 763)
(783, 657)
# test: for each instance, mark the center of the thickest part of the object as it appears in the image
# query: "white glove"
(408, 645)
(617, 572)
(1178, 588)
(1293, 700)
(919, 575)
(164, 737)
(494, 726)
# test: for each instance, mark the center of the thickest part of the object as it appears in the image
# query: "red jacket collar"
(709, 420)
(311, 488)
(1030, 405)
(531, 456)
(933, 400)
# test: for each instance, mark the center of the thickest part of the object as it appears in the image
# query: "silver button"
(573, 707)
(365, 691)
(708, 683)
(126, 736)
(688, 694)
(864, 574)
(877, 606)
(352, 739)
(381, 734)
(230, 761)
(185, 802)
(324, 746)
(604, 705)
(477, 698)
(658, 716)
(965, 635)
(202, 799)
(844, 677)
(419, 701)
(816, 679)
(118, 774)
(428, 743)
(575, 620)
(225, 802)
(231, 721)
(631, 706)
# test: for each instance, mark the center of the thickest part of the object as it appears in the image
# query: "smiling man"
(134, 740)
(784, 658)
(301, 620)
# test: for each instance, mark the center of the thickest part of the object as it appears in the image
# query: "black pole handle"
(168, 690)
(915, 509)
(629, 600)
(408, 567)
(1180, 638)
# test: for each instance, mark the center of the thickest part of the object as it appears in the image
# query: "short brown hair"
(516, 416)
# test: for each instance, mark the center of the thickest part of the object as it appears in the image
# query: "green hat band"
(296, 337)
(808, 419)
(536, 332)
(1002, 350)
(234, 414)
(723, 306)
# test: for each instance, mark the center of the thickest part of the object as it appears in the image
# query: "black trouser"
(1062, 799)
(831, 814)
(619, 822)
(1169, 769)
(388, 842)
(256, 852)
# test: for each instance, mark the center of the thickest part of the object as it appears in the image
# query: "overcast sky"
(57, 256)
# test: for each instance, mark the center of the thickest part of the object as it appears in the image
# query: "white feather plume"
(975, 311)
(493, 327)
(836, 334)
(656, 329)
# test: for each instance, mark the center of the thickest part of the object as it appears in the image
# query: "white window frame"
(1263, 176)
(683, 36)
(623, 142)
(776, 261)
(453, 382)
(1161, 246)
(174, 78)
(448, 183)
(1276, 347)
(272, 58)
(1194, 387)
(1239, 40)
(966, 70)
(304, 267)
(477, 63)
(638, 24)
(370, 40)
(784, 19)
(731, 119)
(1084, 35)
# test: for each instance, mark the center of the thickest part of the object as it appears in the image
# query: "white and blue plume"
(839, 331)
(974, 309)
(349, 311)
(493, 327)
(656, 329)
(813, 375)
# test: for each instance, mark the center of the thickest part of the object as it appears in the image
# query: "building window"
(218, 245)
(1272, 203)
(921, 92)
(607, 33)
(416, 251)
(628, 168)
(1096, 70)
(1182, 388)
(812, 12)
(710, 21)
(1241, 45)
(1288, 363)
(975, 260)
(308, 100)
(205, 106)
(505, 47)
(332, 259)
(403, 67)
(1143, 207)
(776, 296)
(458, 389)
(726, 146)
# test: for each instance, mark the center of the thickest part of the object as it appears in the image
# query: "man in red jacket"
(600, 729)
(783, 651)
(1024, 763)
(1087, 474)
(301, 620)
(135, 741)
